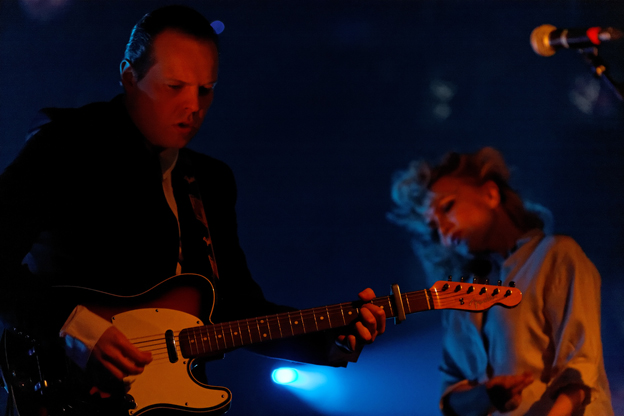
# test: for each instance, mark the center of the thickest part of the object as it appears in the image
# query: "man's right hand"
(118, 355)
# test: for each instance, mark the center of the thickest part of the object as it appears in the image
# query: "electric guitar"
(164, 320)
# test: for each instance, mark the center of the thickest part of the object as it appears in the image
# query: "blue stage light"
(285, 375)
(218, 26)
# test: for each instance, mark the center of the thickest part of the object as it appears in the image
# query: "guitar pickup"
(171, 346)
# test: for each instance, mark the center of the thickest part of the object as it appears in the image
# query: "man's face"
(462, 213)
(169, 104)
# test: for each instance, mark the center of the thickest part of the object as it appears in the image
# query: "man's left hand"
(371, 322)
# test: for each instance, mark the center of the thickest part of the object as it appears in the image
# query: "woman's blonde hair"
(410, 194)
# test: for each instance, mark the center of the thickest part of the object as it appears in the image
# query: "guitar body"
(42, 382)
(164, 385)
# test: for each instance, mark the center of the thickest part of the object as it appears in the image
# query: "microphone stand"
(599, 68)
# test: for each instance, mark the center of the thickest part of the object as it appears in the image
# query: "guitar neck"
(211, 339)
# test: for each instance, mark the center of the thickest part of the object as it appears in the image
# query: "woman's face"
(463, 213)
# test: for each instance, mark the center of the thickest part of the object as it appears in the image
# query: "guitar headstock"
(473, 297)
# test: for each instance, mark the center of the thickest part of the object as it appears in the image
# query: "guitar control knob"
(129, 401)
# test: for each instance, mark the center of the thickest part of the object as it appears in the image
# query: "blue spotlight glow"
(303, 378)
(285, 375)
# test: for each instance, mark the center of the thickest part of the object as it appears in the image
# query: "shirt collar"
(168, 159)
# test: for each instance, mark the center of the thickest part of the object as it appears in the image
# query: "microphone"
(547, 39)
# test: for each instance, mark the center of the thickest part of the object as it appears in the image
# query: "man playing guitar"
(106, 202)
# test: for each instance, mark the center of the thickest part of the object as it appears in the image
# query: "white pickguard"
(164, 384)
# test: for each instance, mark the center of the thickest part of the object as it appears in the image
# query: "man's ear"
(126, 72)
(492, 193)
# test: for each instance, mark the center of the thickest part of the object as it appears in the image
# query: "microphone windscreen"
(540, 42)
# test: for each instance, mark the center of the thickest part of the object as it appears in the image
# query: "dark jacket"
(83, 204)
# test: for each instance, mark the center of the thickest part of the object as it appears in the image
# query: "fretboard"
(211, 339)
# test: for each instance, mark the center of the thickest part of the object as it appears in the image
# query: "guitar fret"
(249, 332)
(201, 337)
(194, 343)
(267, 328)
(392, 313)
(315, 322)
(232, 335)
(283, 321)
(209, 340)
(240, 333)
(334, 315)
(259, 331)
(212, 334)
(292, 327)
(406, 303)
(216, 337)
(310, 320)
(328, 317)
(302, 322)
(223, 336)
(252, 325)
(211, 344)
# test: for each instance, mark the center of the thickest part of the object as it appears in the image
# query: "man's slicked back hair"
(179, 18)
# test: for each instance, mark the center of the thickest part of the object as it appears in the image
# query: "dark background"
(318, 104)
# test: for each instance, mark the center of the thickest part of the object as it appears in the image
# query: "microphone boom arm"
(599, 69)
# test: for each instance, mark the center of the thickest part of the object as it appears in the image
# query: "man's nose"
(192, 100)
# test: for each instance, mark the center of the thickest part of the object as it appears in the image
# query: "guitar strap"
(199, 220)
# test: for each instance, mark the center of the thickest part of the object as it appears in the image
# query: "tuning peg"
(500, 282)
(487, 281)
(462, 279)
(474, 279)
(512, 284)
(508, 293)
(450, 278)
